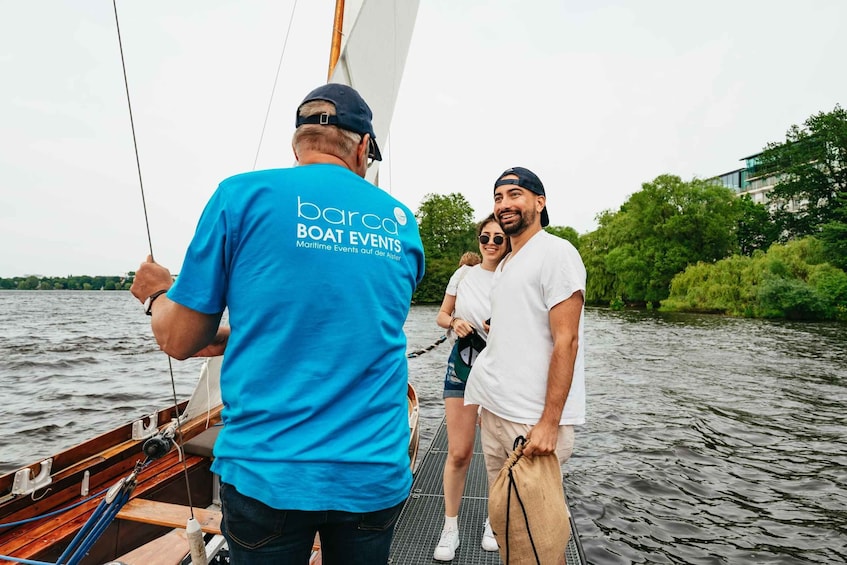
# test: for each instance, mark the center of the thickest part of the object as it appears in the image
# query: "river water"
(708, 440)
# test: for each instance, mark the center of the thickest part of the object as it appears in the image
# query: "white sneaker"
(489, 542)
(446, 548)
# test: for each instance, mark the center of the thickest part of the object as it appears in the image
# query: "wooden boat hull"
(414, 425)
(159, 503)
(104, 460)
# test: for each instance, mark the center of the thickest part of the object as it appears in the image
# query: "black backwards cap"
(528, 180)
(351, 113)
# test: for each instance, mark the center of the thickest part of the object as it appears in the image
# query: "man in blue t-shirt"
(316, 267)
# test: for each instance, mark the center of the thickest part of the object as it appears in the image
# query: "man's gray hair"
(326, 138)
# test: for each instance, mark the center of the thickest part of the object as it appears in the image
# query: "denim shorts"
(454, 387)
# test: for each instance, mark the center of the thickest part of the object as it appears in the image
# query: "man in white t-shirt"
(530, 379)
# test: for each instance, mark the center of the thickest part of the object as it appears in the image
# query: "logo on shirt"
(400, 216)
(349, 231)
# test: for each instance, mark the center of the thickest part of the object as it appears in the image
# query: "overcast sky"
(596, 97)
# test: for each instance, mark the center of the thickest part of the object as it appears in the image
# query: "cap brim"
(374, 153)
(469, 348)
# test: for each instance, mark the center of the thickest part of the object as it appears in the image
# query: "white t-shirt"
(509, 378)
(472, 288)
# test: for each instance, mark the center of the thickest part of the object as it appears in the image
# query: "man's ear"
(362, 151)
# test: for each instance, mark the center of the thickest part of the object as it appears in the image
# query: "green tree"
(446, 225)
(788, 281)
(565, 232)
(811, 170)
(602, 286)
(29, 283)
(438, 273)
(447, 230)
(834, 238)
(756, 230)
(657, 232)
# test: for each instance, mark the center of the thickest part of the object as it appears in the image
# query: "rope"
(53, 513)
(97, 523)
(25, 561)
(150, 243)
(514, 486)
(132, 127)
(273, 89)
(94, 527)
(419, 352)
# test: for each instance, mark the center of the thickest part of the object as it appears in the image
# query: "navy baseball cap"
(351, 113)
(528, 180)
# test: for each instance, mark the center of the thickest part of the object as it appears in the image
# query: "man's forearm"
(559, 379)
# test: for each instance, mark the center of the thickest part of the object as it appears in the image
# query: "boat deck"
(419, 526)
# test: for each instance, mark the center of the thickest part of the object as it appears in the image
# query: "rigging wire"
(150, 243)
(276, 80)
(132, 126)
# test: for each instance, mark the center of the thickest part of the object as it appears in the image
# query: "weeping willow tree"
(788, 281)
(660, 230)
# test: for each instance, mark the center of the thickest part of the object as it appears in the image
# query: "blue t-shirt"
(317, 268)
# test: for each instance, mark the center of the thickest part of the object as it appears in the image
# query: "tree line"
(82, 282)
(695, 245)
(676, 245)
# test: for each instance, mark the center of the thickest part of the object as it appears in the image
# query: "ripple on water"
(722, 439)
(708, 440)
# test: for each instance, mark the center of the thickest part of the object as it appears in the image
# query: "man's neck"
(316, 158)
(518, 240)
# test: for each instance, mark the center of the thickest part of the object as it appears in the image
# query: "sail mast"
(335, 48)
(369, 52)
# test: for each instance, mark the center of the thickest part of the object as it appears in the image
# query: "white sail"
(207, 393)
(375, 41)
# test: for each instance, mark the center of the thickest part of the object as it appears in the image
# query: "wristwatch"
(148, 304)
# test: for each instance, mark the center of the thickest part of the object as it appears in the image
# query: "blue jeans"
(260, 535)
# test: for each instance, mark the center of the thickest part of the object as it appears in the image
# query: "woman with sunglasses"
(465, 309)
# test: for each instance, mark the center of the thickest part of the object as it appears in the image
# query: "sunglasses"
(498, 239)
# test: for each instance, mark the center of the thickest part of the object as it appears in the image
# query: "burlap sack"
(527, 509)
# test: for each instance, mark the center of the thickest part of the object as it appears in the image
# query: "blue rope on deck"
(115, 499)
(25, 561)
(97, 523)
(50, 514)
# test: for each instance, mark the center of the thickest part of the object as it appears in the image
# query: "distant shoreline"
(80, 282)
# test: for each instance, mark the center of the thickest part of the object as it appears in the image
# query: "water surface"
(708, 439)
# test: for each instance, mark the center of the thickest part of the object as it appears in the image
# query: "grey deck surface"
(419, 526)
